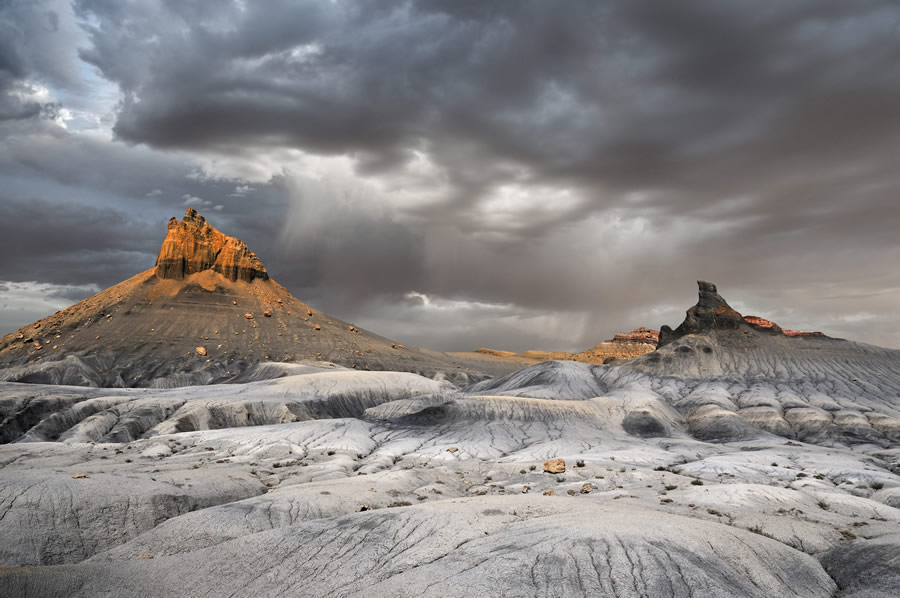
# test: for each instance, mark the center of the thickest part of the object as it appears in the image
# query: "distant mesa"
(623, 345)
(193, 245)
(712, 312)
(763, 324)
(646, 336)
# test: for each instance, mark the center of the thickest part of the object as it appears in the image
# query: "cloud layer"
(545, 175)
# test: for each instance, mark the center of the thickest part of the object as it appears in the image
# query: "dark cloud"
(72, 244)
(522, 165)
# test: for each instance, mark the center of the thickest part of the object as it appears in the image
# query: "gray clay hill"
(735, 460)
(207, 312)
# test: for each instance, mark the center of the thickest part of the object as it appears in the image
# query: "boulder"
(555, 466)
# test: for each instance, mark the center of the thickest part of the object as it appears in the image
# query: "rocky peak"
(192, 245)
(712, 312)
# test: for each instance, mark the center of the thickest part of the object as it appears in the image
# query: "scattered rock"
(145, 556)
(555, 466)
(587, 488)
(79, 475)
(549, 493)
(318, 327)
(201, 351)
(452, 449)
(248, 315)
(267, 313)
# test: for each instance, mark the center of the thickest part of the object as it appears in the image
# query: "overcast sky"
(457, 174)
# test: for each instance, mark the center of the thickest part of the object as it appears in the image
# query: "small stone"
(555, 466)
(318, 327)
(145, 556)
(309, 312)
(362, 508)
(587, 488)
(234, 302)
(267, 313)
(248, 315)
(452, 449)
(549, 493)
(201, 351)
(79, 475)
(570, 492)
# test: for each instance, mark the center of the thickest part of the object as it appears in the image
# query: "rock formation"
(764, 324)
(208, 291)
(710, 313)
(647, 336)
(192, 246)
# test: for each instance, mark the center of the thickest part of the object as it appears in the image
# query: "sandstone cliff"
(192, 246)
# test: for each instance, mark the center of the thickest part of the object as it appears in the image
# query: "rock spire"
(711, 313)
(192, 245)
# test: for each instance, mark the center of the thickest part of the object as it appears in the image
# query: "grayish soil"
(765, 466)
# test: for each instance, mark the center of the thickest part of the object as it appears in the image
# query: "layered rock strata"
(192, 245)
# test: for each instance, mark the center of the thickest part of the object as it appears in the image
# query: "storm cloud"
(542, 174)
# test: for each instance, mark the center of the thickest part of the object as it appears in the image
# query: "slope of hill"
(732, 461)
(207, 312)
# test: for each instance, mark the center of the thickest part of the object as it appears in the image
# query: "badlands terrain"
(732, 460)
